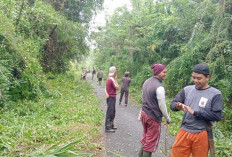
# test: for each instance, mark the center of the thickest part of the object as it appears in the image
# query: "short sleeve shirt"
(110, 87)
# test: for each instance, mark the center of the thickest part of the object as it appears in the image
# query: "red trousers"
(187, 143)
(151, 133)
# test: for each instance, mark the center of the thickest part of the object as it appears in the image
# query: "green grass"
(64, 123)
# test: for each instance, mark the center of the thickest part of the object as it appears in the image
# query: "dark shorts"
(99, 79)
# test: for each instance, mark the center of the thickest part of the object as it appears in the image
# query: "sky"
(100, 18)
(108, 8)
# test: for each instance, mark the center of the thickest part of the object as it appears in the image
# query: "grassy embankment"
(64, 122)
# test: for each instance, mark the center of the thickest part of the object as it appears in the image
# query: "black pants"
(126, 95)
(93, 76)
(99, 80)
(110, 113)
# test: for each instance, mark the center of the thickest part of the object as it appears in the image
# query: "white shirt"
(160, 92)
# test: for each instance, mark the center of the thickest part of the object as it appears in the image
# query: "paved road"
(125, 142)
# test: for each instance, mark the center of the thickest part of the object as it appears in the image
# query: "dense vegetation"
(34, 39)
(179, 34)
(64, 123)
(41, 107)
(40, 98)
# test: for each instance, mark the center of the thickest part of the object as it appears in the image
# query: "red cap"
(158, 68)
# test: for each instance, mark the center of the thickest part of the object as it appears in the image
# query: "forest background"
(42, 44)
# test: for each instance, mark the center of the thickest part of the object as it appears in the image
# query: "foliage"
(38, 110)
(35, 38)
(18, 64)
(78, 11)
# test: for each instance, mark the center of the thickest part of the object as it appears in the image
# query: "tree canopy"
(35, 38)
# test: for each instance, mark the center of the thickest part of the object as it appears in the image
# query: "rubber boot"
(147, 154)
(113, 126)
(108, 126)
(140, 154)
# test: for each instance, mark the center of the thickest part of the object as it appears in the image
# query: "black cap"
(127, 74)
(201, 69)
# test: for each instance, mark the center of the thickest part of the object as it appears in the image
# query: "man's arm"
(177, 103)
(116, 83)
(160, 92)
(213, 114)
(107, 95)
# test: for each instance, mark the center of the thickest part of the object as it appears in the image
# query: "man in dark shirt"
(201, 104)
(125, 88)
(93, 72)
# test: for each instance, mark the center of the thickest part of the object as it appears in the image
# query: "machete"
(166, 140)
(210, 139)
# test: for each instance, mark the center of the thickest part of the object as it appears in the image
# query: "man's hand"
(180, 106)
(116, 83)
(107, 95)
(189, 109)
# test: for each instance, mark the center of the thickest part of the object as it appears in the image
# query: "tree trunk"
(20, 13)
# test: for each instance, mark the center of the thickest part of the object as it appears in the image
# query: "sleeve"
(213, 114)
(113, 82)
(180, 97)
(160, 92)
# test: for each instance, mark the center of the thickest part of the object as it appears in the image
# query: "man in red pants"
(153, 109)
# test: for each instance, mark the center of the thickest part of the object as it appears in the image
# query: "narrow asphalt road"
(125, 142)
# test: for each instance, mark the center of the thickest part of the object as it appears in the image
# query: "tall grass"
(65, 122)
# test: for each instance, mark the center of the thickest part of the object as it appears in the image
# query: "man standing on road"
(126, 80)
(110, 90)
(93, 72)
(201, 104)
(100, 76)
(153, 109)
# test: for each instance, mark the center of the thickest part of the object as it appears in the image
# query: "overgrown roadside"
(66, 122)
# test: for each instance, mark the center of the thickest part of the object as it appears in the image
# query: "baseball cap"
(201, 69)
